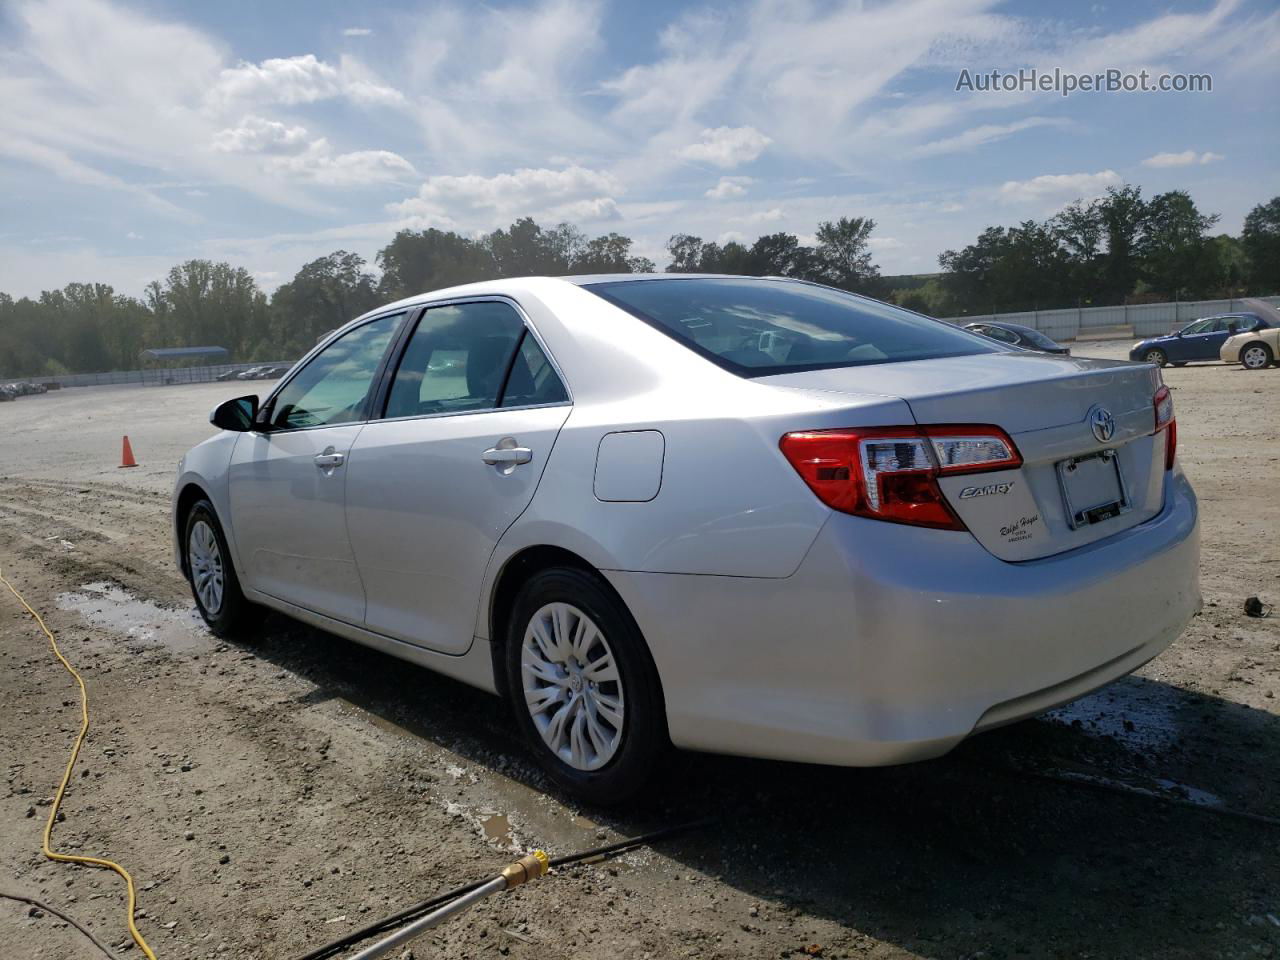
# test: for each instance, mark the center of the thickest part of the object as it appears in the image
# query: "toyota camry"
(751, 516)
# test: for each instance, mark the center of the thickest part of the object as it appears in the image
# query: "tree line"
(1116, 248)
(1119, 248)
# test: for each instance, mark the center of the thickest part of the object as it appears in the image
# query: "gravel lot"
(269, 796)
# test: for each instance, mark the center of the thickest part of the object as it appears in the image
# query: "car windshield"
(759, 327)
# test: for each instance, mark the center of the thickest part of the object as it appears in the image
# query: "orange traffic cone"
(126, 456)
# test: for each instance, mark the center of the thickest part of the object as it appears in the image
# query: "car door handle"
(329, 459)
(507, 453)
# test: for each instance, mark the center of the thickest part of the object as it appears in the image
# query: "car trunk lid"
(1075, 485)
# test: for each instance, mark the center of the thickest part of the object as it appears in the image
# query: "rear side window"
(456, 360)
(471, 356)
(533, 380)
(760, 327)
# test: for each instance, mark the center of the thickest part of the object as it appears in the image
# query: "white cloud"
(983, 134)
(357, 32)
(133, 236)
(772, 215)
(319, 164)
(301, 79)
(729, 187)
(1061, 187)
(257, 135)
(497, 86)
(885, 243)
(68, 168)
(726, 147)
(1186, 158)
(593, 210)
(474, 200)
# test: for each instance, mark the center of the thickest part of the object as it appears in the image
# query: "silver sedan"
(752, 516)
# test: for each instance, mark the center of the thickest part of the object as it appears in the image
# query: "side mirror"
(235, 415)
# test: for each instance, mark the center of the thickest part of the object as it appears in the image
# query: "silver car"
(751, 516)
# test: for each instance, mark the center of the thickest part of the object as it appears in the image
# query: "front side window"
(335, 386)
(456, 360)
(760, 327)
(1200, 326)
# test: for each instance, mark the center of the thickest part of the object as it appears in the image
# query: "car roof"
(506, 285)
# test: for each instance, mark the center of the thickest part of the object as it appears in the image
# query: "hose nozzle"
(529, 867)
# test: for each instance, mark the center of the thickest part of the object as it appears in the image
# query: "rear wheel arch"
(515, 573)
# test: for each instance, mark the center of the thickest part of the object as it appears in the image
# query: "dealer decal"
(1020, 530)
(968, 493)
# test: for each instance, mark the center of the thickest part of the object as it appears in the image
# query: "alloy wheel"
(1255, 358)
(572, 687)
(205, 560)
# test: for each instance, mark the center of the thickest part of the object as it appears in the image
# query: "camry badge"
(969, 493)
(1102, 423)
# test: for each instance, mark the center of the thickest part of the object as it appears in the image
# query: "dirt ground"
(272, 795)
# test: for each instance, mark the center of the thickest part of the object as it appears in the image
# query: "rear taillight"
(891, 473)
(1163, 403)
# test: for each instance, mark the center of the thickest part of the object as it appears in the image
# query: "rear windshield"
(760, 327)
(1038, 338)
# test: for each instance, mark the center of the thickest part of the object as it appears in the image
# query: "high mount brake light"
(891, 473)
(1165, 420)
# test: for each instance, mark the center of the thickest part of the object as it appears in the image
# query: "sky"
(135, 135)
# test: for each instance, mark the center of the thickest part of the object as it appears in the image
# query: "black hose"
(410, 913)
(23, 898)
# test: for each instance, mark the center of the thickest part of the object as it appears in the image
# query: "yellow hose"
(66, 778)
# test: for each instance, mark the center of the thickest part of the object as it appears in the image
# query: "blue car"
(1198, 340)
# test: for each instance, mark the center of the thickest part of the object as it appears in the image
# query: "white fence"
(1147, 319)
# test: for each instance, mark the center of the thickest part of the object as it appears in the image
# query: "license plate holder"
(1093, 488)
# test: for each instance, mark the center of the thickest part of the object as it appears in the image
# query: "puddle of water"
(496, 826)
(1140, 716)
(110, 606)
(1155, 787)
(1194, 794)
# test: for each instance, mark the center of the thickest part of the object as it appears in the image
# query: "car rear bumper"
(892, 643)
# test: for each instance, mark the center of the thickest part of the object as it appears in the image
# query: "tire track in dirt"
(90, 531)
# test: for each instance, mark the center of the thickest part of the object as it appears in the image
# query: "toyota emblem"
(1102, 423)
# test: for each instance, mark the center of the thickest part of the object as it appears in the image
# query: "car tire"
(1255, 356)
(212, 575)
(1158, 357)
(583, 686)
